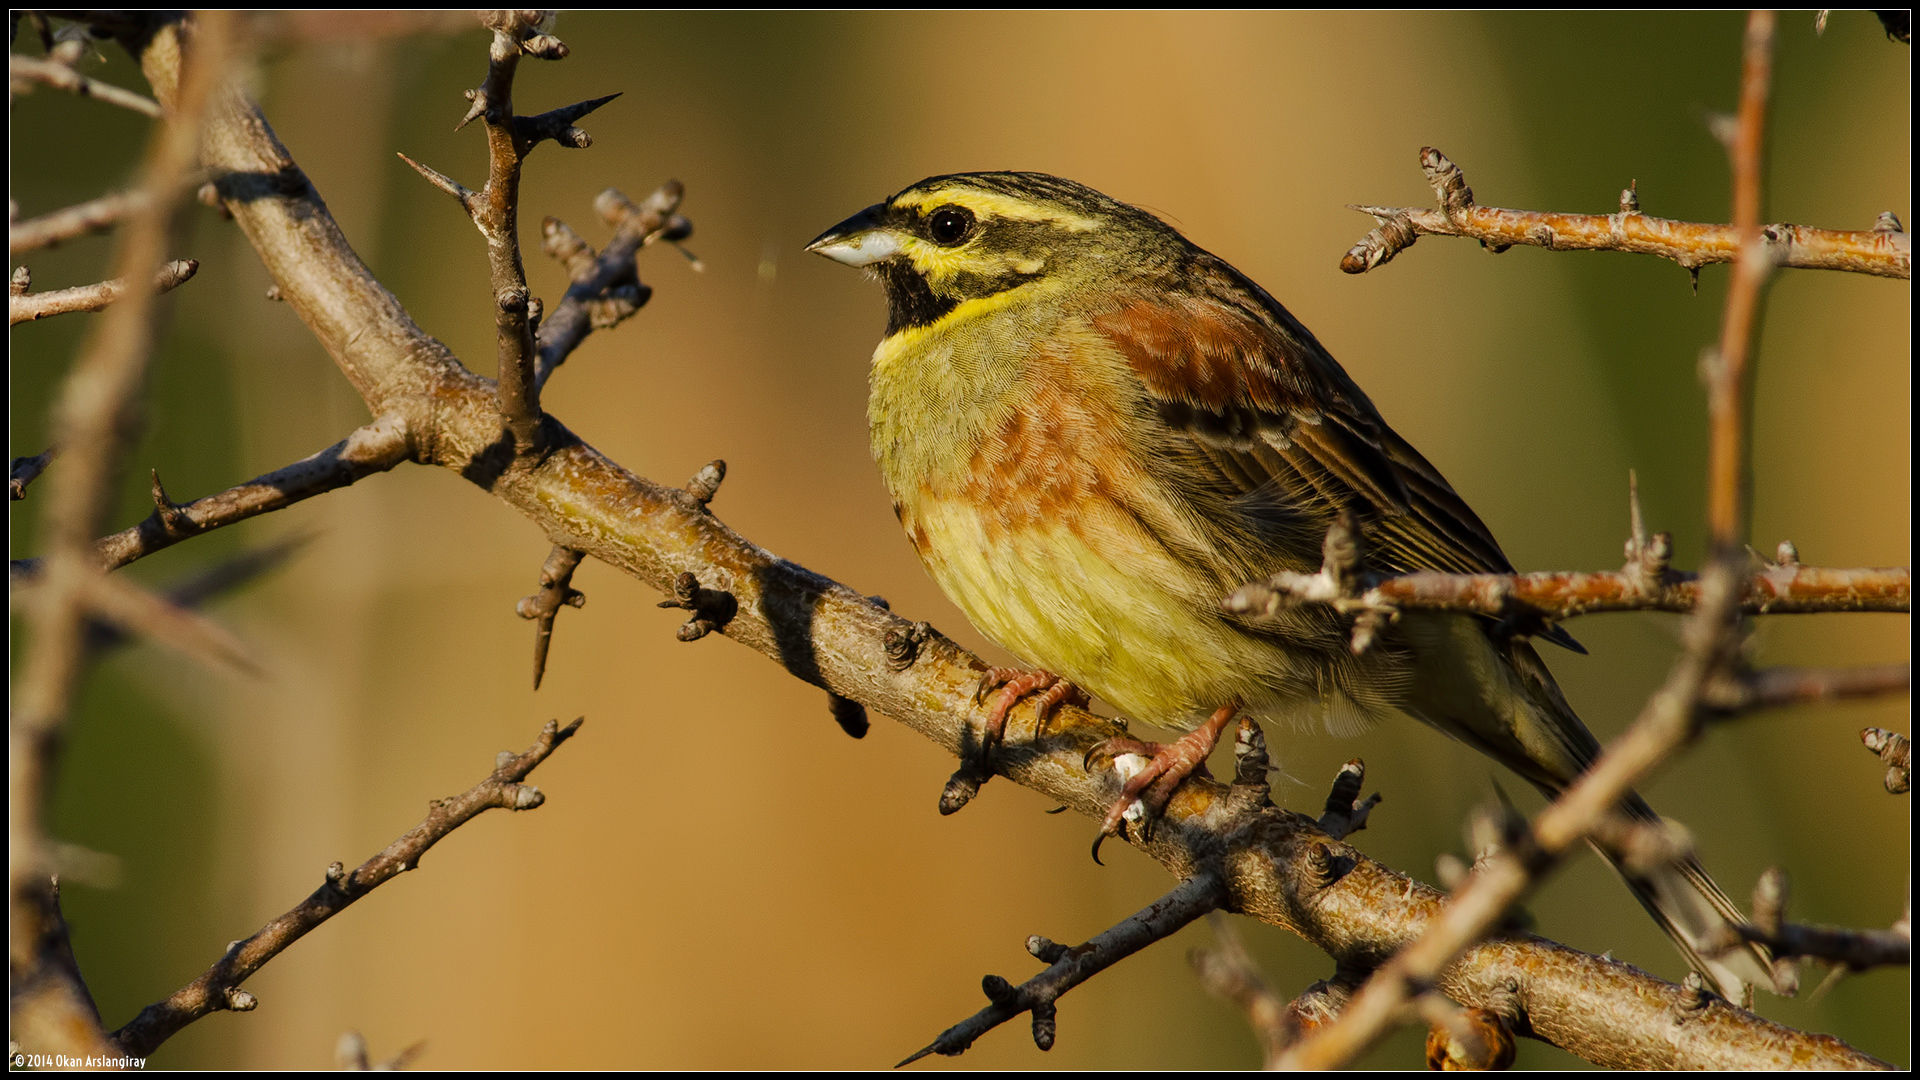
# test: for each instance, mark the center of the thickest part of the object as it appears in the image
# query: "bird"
(1093, 430)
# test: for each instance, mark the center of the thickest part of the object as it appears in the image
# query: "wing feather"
(1246, 392)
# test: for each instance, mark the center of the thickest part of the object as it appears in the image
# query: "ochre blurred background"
(720, 878)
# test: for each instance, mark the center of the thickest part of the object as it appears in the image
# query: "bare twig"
(1855, 950)
(75, 221)
(27, 70)
(26, 470)
(1670, 717)
(1069, 967)
(1691, 244)
(219, 986)
(556, 592)
(1772, 688)
(1896, 751)
(92, 424)
(606, 288)
(377, 447)
(26, 307)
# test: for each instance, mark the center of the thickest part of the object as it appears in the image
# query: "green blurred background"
(720, 878)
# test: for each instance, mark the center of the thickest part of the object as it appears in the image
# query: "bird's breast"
(1055, 543)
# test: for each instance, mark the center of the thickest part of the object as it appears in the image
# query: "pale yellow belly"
(1100, 604)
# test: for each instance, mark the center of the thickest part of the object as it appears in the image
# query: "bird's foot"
(1149, 786)
(1049, 691)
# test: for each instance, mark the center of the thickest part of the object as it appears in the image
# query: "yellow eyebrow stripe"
(991, 204)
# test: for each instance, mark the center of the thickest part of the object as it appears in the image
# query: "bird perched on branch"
(1093, 431)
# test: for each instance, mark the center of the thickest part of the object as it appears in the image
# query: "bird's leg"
(1052, 690)
(1166, 767)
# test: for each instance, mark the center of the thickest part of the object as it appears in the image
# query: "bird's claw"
(1147, 789)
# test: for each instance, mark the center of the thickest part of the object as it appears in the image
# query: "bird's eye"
(950, 224)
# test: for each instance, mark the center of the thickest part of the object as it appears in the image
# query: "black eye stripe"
(949, 225)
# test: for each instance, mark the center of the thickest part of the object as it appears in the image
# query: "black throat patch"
(910, 301)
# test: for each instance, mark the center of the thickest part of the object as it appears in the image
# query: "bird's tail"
(1680, 895)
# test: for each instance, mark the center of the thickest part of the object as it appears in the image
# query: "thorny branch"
(1885, 250)
(1671, 717)
(374, 448)
(556, 592)
(24, 306)
(1270, 864)
(219, 987)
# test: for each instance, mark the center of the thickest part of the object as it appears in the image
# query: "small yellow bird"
(1093, 431)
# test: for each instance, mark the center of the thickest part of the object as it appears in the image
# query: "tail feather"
(1681, 896)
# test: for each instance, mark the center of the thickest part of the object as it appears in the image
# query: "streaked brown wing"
(1277, 417)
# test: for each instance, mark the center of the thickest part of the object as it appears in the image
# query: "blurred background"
(720, 877)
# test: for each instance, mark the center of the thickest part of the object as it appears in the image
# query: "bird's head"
(952, 246)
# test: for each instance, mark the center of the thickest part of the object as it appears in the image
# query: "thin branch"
(93, 424)
(496, 210)
(1670, 718)
(1069, 967)
(836, 637)
(26, 470)
(26, 307)
(1896, 752)
(1881, 252)
(1773, 688)
(1558, 595)
(556, 592)
(375, 448)
(606, 288)
(27, 70)
(1854, 950)
(75, 221)
(218, 987)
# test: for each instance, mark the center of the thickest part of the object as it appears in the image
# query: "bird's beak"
(861, 240)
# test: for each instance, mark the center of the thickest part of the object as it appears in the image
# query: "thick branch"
(219, 986)
(1883, 252)
(26, 307)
